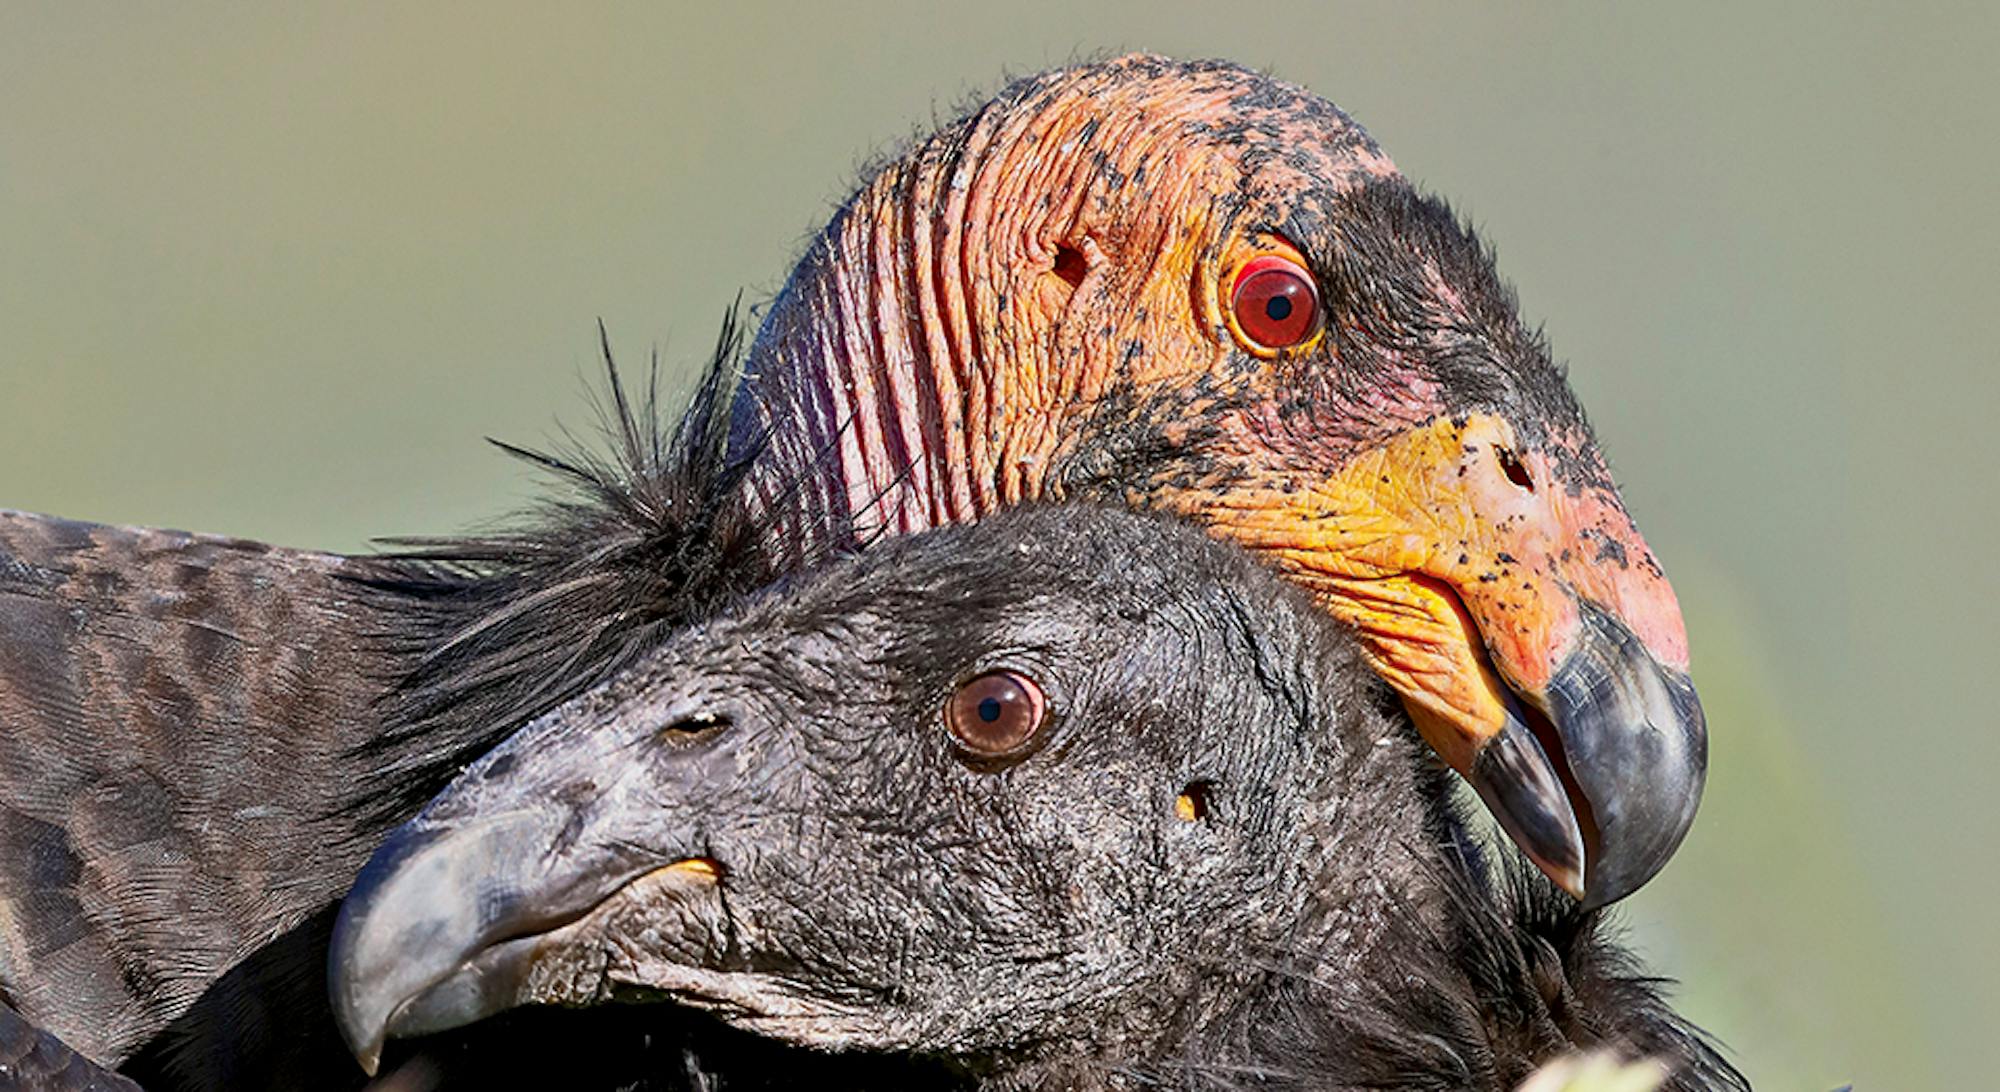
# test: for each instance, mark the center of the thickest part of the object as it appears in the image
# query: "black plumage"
(179, 713)
(32, 1060)
(1224, 862)
(206, 737)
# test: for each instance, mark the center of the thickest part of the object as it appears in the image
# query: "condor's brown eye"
(996, 714)
(1275, 303)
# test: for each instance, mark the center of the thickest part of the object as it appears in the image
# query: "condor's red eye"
(1275, 303)
(996, 714)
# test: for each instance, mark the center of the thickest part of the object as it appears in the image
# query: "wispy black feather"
(497, 628)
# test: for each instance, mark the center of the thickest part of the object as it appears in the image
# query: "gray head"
(1062, 797)
(983, 790)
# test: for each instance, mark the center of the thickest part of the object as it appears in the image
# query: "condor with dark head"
(1073, 798)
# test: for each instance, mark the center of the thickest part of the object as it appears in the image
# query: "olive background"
(275, 270)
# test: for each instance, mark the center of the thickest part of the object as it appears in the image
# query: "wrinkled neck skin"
(996, 294)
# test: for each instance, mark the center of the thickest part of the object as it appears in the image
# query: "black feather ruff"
(498, 628)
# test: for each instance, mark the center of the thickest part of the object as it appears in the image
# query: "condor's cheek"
(1441, 529)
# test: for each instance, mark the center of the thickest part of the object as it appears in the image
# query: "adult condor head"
(1192, 288)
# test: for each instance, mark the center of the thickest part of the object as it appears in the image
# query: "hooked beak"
(447, 928)
(403, 931)
(1599, 780)
(1506, 595)
(496, 894)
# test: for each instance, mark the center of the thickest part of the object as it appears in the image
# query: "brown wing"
(32, 1060)
(174, 711)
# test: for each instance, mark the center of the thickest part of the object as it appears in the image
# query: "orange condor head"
(1194, 288)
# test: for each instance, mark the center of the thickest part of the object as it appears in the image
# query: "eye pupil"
(1275, 304)
(996, 715)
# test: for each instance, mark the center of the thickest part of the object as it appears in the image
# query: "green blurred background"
(274, 271)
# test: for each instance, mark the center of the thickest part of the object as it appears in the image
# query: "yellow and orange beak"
(1506, 595)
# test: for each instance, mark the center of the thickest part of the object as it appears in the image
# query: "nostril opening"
(1071, 264)
(1195, 802)
(1510, 465)
(694, 729)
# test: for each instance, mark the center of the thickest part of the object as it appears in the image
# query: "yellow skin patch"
(1406, 544)
(1462, 583)
(699, 868)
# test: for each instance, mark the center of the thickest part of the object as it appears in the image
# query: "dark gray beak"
(1599, 778)
(446, 922)
(431, 900)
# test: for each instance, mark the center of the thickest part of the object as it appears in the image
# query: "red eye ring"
(1275, 304)
(996, 714)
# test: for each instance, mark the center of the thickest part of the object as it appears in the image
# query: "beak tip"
(1636, 740)
(1601, 891)
(1634, 749)
(1644, 852)
(363, 1035)
(377, 955)
(404, 957)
